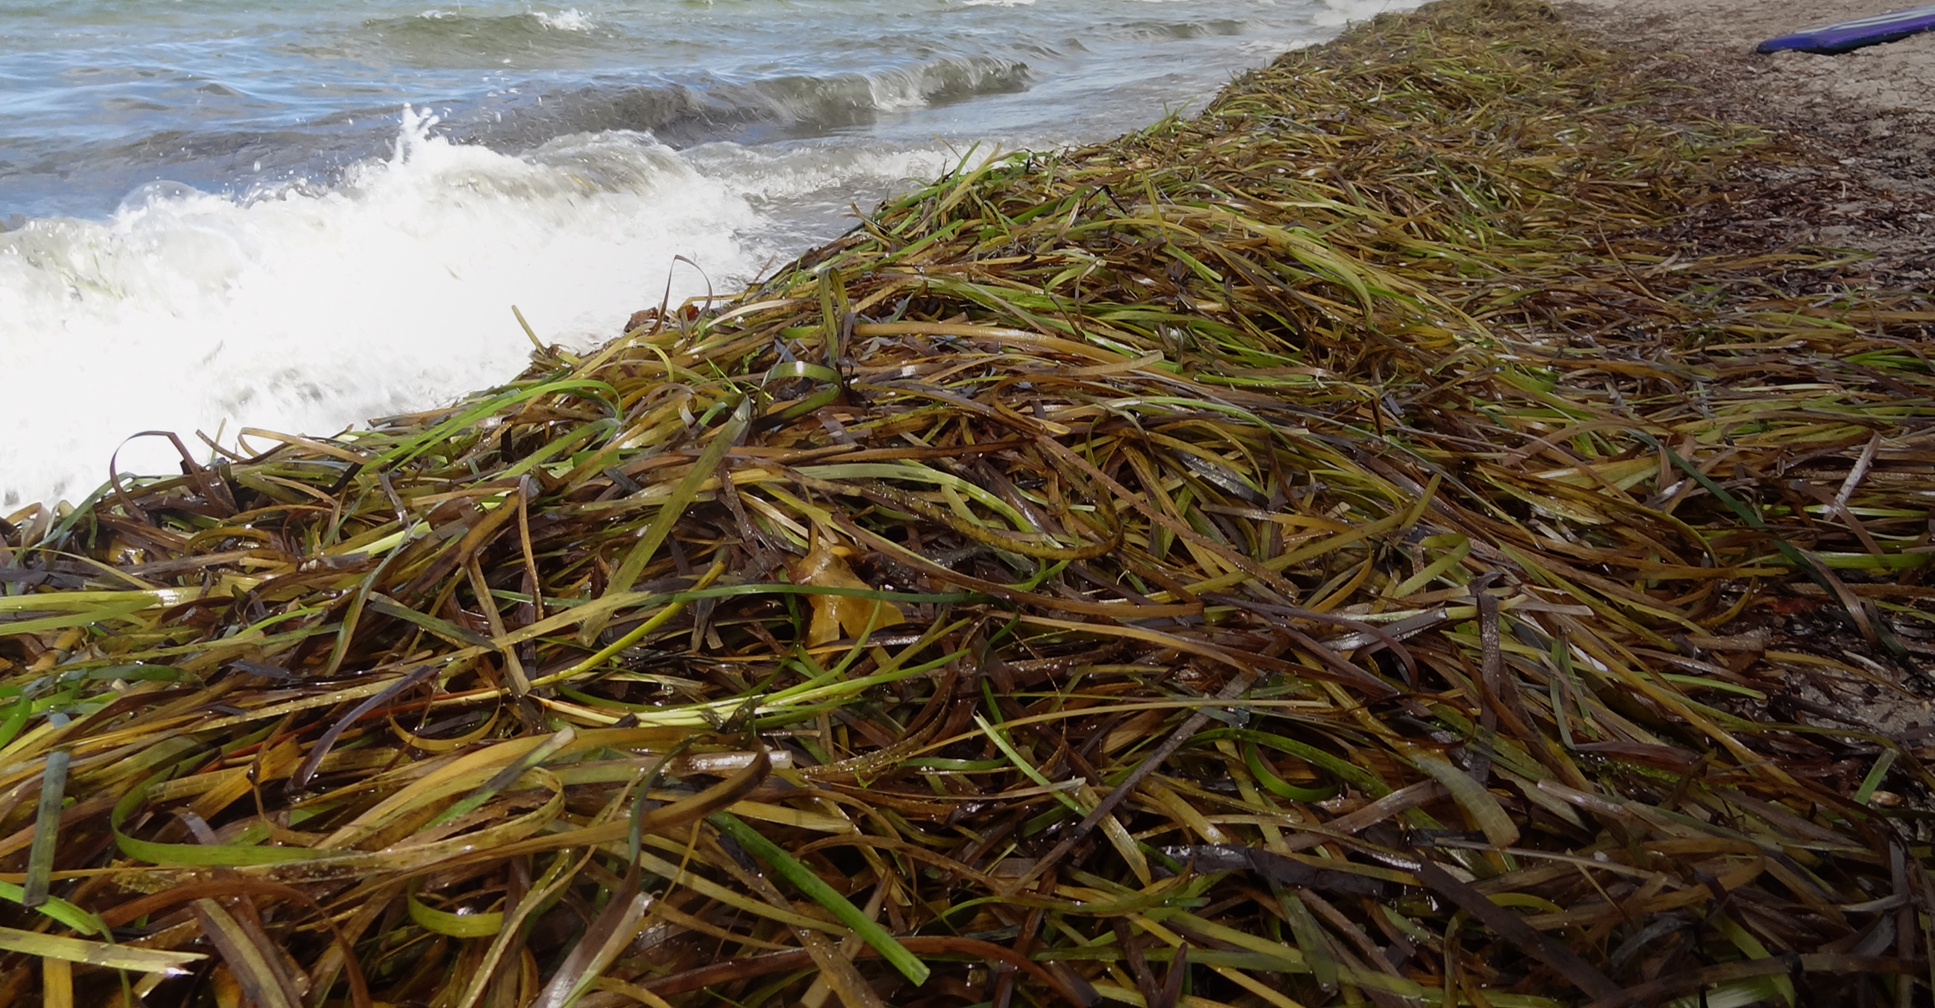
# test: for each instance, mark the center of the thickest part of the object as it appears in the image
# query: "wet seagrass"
(1329, 551)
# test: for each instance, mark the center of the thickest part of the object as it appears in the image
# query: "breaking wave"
(310, 308)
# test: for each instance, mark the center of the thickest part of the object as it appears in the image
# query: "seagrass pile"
(1329, 551)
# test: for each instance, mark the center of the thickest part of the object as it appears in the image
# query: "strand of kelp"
(1322, 552)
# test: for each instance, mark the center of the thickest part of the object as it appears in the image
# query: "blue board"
(1839, 38)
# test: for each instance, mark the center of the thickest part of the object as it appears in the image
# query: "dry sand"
(1865, 120)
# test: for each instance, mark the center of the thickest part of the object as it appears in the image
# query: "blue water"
(295, 216)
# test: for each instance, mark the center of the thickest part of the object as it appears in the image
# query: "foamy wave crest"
(844, 97)
(709, 108)
(310, 309)
(941, 81)
(564, 20)
(1339, 12)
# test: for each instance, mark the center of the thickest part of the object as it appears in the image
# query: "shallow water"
(295, 216)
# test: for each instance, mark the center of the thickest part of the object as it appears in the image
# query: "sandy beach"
(1863, 121)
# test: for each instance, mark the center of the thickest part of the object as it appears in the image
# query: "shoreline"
(566, 191)
(1398, 536)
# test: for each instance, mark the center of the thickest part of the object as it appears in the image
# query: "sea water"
(296, 216)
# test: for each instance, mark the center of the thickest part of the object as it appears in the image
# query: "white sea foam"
(564, 20)
(1341, 12)
(311, 309)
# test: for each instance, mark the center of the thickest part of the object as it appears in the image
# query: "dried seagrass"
(1328, 551)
